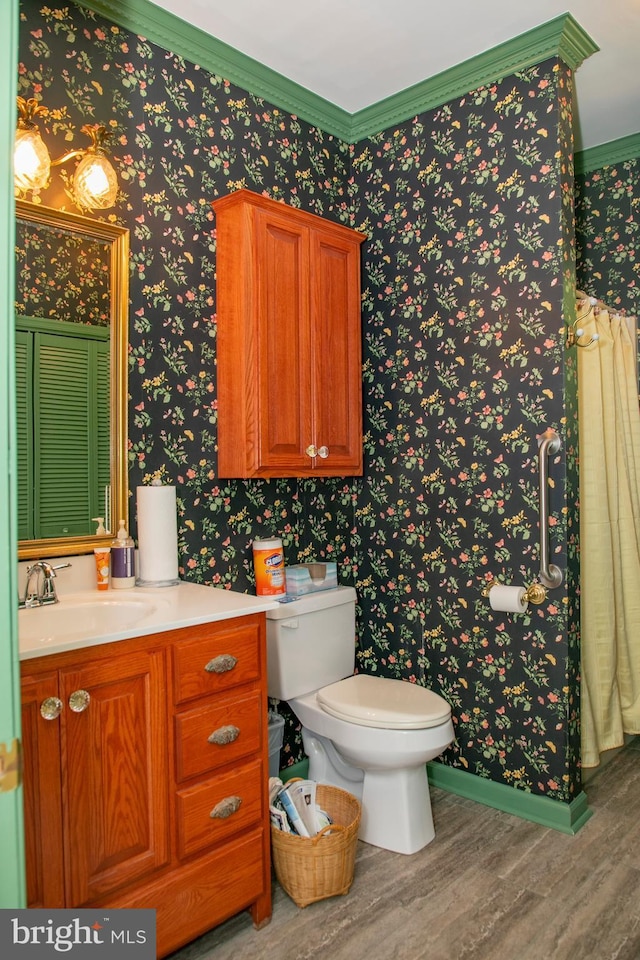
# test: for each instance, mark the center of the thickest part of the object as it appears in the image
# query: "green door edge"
(12, 875)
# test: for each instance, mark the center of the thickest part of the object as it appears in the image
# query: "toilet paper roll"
(157, 536)
(508, 599)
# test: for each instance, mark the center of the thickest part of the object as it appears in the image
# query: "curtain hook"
(574, 333)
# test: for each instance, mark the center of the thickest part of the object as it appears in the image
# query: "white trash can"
(276, 736)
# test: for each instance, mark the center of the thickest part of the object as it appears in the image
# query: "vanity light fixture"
(95, 184)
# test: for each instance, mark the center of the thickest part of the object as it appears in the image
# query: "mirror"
(72, 283)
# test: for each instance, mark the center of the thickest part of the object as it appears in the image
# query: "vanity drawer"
(221, 731)
(219, 658)
(235, 800)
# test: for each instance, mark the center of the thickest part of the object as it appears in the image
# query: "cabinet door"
(42, 793)
(288, 341)
(336, 350)
(114, 761)
(283, 348)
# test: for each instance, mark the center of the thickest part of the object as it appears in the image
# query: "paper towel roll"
(157, 536)
(508, 599)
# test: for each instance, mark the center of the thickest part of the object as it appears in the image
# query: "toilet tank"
(311, 642)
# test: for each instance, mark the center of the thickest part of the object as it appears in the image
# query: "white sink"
(85, 618)
(77, 618)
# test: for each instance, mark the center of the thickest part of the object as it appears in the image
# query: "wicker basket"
(315, 868)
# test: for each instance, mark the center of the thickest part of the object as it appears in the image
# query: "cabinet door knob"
(51, 708)
(226, 808)
(221, 664)
(323, 452)
(226, 734)
(79, 701)
(312, 450)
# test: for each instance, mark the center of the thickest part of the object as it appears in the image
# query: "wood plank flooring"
(489, 887)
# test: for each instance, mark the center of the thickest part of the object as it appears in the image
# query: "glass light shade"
(31, 161)
(95, 184)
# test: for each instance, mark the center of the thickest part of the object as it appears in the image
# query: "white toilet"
(369, 735)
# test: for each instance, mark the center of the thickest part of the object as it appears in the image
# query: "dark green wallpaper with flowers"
(61, 276)
(608, 234)
(468, 211)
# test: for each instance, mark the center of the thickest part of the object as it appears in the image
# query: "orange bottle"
(268, 563)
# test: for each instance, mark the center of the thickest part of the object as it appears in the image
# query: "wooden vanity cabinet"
(149, 788)
(94, 776)
(288, 341)
(44, 852)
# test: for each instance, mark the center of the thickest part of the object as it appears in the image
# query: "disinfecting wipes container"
(268, 563)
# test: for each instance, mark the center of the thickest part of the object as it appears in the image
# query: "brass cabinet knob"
(51, 708)
(323, 452)
(79, 701)
(226, 808)
(312, 450)
(221, 664)
(223, 735)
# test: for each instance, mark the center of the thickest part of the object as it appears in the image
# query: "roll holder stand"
(534, 593)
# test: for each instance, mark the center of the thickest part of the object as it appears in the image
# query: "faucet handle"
(49, 594)
(50, 570)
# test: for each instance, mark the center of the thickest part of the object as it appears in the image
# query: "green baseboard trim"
(564, 817)
(299, 769)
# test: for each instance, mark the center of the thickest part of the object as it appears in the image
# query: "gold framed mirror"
(72, 286)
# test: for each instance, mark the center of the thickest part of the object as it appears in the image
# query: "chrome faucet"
(44, 590)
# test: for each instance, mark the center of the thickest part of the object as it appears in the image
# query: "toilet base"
(396, 805)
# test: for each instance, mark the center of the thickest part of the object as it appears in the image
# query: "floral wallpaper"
(608, 234)
(463, 369)
(61, 276)
(468, 211)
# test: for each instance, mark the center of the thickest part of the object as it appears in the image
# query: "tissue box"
(310, 577)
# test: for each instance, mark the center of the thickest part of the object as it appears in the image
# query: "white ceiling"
(355, 53)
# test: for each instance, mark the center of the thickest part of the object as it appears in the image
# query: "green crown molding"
(562, 37)
(608, 154)
(193, 44)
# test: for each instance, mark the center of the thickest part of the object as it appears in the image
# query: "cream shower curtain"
(609, 431)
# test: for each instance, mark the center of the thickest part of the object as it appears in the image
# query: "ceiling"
(355, 53)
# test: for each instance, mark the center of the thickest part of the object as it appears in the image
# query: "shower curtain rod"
(583, 299)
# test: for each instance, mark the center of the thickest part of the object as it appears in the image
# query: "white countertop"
(90, 617)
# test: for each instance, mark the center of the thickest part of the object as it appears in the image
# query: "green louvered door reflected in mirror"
(63, 427)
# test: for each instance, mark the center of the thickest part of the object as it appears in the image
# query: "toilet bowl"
(369, 735)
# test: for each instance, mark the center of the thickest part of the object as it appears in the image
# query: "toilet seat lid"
(385, 703)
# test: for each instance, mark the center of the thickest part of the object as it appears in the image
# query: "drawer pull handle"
(221, 664)
(226, 808)
(224, 735)
(51, 708)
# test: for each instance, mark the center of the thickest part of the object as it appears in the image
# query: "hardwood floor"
(489, 887)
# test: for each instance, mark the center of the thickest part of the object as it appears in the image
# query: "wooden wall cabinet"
(288, 341)
(146, 786)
